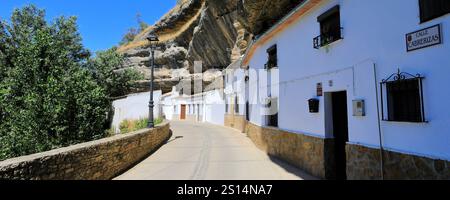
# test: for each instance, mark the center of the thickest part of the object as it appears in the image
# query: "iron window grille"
(431, 9)
(404, 98)
(330, 28)
(272, 58)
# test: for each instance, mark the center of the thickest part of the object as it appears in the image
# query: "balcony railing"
(326, 39)
(271, 64)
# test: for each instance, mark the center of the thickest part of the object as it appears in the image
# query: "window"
(330, 28)
(272, 120)
(430, 9)
(272, 58)
(404, 98)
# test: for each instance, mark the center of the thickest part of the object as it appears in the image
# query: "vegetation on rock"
(106, 70)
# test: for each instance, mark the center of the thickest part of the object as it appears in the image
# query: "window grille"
(404, 98)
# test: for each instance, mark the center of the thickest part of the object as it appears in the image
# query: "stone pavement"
(199, 151)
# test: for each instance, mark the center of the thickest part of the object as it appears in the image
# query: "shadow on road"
(176, 138)
(291, 169)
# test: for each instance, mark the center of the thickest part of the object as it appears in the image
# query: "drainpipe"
(380, 134)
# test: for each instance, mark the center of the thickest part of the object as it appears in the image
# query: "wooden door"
(183, 112)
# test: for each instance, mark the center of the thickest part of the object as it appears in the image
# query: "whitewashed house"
(203, 107)
(134, 107)
(361, 89)
(235, 96)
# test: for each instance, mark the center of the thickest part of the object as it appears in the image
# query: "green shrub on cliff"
(106, 70)
(48, 98)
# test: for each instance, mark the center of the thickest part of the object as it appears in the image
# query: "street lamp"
(153, 39)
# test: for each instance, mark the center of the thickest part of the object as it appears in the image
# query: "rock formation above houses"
(216, 32)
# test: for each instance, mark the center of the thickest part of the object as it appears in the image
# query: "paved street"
(200, 151)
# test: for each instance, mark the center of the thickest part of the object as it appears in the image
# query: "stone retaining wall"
(97, 160)
(364, 163)
(305, 152)
(237, 122)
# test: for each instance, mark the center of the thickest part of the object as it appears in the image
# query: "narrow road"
(199, 151)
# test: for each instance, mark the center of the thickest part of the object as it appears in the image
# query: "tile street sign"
(424, 38)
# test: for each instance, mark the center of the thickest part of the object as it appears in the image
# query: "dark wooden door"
(183, 112)
(340, 132)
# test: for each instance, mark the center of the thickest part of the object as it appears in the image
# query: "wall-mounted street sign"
(424, 38)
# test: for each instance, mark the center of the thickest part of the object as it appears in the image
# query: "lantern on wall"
(313, 105)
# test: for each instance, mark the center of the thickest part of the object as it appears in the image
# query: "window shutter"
(430, 9)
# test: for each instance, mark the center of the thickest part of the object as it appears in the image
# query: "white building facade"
(378, 71)
(134, 107)
(204, 107)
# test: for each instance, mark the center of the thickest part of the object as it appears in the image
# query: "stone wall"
(97, 160)
(315, 156)
(237, 122)
(305, 152)
(364, 163)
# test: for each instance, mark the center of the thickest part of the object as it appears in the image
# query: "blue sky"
(102, 23)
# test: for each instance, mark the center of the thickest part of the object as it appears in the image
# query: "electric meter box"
(359, 108)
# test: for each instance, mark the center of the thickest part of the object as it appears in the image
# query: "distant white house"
(203, 107)
(134, 107)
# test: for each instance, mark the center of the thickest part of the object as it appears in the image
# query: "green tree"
(131, 33)
(129, 36)
(107, 69)
(47, 98)
(142, 24)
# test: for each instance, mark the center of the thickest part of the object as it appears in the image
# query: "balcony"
(271, 64)
(328, 38)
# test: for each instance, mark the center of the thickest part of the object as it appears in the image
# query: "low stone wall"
(305, 152)
(97, 160)
(315, 156)
(237, 122)
(364, 163)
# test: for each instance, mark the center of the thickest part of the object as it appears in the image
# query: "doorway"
(183, 112)
(339, 129)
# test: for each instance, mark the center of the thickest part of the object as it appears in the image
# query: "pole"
(380, 134)
(151, 103)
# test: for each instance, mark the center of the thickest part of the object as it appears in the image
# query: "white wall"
(208, 107)
(134, 107)
(374, 34)
(214, 108)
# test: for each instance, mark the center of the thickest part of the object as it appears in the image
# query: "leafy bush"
(48, 99)
(131, 33)
(106, 69)
(129, 36)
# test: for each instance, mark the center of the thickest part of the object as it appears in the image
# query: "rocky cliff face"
(215, 32)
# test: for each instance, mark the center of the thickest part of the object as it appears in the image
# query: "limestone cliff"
(215, 32)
